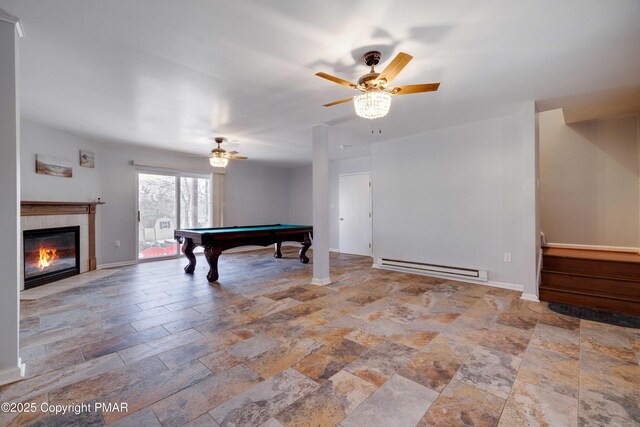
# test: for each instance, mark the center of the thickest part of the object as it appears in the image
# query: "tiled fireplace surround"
(39, 215)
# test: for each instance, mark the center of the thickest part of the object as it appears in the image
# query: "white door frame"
(368, 173)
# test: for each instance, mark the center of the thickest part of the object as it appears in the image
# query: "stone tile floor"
(263, 347)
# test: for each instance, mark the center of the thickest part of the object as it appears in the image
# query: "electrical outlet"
(507, 257)
(117, 243)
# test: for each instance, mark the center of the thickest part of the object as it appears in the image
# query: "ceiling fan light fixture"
(375, 99)
(218, 162)
(372, 104)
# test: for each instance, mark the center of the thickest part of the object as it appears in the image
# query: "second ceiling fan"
(220, 157)
(375, 99)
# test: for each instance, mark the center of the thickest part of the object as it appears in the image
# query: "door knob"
(341, 219)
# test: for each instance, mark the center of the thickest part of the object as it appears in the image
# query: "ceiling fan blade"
(331, 104)
(393, 69)
(336, 80)
(238, 157)
(232, 152)
(409, 89)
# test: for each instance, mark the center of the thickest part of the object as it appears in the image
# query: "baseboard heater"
(444, 270)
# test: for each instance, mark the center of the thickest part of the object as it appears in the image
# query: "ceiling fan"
(219, 157)
(375, 99)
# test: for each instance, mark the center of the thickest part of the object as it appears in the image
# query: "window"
(195, 202)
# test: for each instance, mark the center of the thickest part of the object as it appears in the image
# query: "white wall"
(461, 196)
(84, 185)
(255, 193)
(300, 187)
(590, 181)
(10, 365)
(300, 192)
(538, 234)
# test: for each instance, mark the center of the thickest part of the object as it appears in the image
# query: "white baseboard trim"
(334, 250)
(492, 283)
(321, 282)
(502, 285)
(116, 264)
(530, 297)
(593, 247)
(13, 374)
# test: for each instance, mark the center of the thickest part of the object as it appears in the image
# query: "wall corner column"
(11, 367)
(531, 203)
(320, 203)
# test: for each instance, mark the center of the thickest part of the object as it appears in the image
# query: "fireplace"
(50, 254)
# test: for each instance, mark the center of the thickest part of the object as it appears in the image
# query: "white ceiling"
(170, 73)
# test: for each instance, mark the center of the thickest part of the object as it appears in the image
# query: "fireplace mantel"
(41, 208)
(57, 208)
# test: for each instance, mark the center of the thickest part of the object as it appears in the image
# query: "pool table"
(215, 240)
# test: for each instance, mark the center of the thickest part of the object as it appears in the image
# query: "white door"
(355, 213)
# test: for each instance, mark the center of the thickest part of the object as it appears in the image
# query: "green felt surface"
(243, 228)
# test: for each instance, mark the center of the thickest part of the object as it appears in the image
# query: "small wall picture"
(47, 165)
(86, 159)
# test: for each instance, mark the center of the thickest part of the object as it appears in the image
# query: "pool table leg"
(212, 254)
(306, 244)
(187, 249)
(278, 253)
